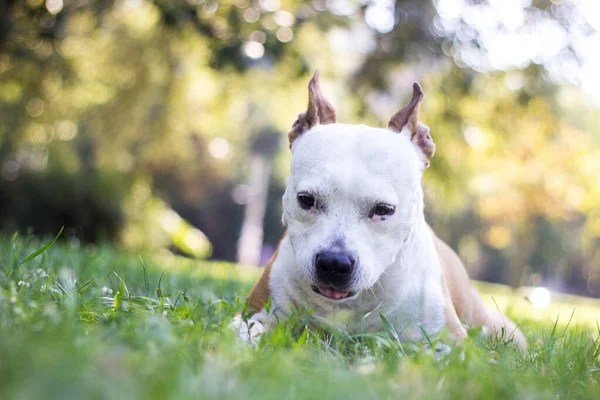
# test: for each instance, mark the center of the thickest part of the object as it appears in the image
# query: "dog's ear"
(319, 111)
(407, 121)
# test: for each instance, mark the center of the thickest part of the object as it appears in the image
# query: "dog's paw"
(249, 330)
(441, 350)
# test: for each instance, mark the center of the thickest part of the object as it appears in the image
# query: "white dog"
(357, 241)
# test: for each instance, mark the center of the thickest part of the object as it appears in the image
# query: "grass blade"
(124, 288)
(42, 249)
(83, 287)
(159, 292)
(389, 328)
(146, 279)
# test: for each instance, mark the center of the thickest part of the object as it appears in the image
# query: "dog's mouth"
(331, 293)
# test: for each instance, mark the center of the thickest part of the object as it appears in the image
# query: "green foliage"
(84, 322)
(89, 206)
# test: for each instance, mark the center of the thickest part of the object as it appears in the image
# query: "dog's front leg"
(252, 329)
(455, 327)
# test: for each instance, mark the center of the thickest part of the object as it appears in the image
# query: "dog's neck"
(409, 291)
(417, 259)
(417, 254)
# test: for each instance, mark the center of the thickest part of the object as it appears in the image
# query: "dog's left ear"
(407, 121)
(319, 111)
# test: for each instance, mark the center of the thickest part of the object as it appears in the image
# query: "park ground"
(92, 322)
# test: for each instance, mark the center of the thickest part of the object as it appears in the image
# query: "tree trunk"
(251, 236)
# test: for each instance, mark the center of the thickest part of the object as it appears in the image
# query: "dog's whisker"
(373, 292)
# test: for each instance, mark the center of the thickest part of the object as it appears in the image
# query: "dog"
(357, 242)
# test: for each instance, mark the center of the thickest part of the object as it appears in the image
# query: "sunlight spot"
(66, 130)
(342, 7)
(35, 107)
(498, 237)
(514, 80)
(258, 36)
(169, 220)
(133, 3)
(194, 239)
(251, 15)
(284, 18)
(270, 5)
(238, 111)
(380, 16)
(218, 148)
(211, 7)
(540, 297)
(54, 6)
(268, 22)
(285, 35)
(253, 50)
(474, 137)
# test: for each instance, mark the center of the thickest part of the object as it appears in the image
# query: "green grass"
(94, 323)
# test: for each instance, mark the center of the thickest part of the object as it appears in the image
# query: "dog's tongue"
(332, 293)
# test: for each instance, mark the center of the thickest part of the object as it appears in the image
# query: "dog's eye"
(306, 201)
(383, 210)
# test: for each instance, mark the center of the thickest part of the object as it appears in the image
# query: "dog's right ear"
(319, 111)
(407, 121)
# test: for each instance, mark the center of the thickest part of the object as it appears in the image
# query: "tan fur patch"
(423, 140)
(465, 304)
(259, 295)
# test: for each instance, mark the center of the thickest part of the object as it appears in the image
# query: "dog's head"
(354, 194)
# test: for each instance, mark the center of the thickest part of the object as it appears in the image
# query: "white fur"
(349, 169)
(251, 330)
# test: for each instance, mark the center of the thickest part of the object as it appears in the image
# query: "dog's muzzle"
(334, 272)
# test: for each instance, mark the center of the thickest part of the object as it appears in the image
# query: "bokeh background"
(161, 125)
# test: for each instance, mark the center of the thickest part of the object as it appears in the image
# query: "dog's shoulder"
(260, 293)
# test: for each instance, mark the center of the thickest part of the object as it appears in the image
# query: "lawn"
(95, 323)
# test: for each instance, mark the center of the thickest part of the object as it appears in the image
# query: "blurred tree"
(264, 145)
(114, 115)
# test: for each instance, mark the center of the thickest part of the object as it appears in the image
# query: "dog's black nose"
(334, 268)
